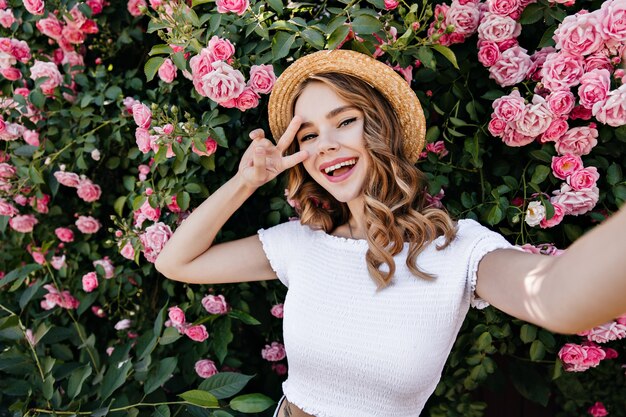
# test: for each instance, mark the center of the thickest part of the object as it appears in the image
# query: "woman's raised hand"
(263, 160)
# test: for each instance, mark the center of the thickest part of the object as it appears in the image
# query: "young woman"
(378, 284)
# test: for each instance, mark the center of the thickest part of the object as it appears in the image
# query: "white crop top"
(355, 352)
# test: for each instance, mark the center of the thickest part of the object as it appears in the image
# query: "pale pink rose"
(167, 71)
(205, 368)
(90, 281)
(176, 316)
(598, 60)
(154, 239)
(594, 87)
(576, 202)
(23, 223)
(49, 70)
(557, 217)
(7, 170)
(536, 118)
(235, 6)
(35, 7)
(173, 206)
(248, 99)
(509, 108)
(262, 78)
(87, 224)
(527, 247)
(391, 4)
(11, 74)
(107, 265)
(31, 137)
(566, 165)
(464, 18)
(21, 199)
(197, 333)
(168, 129)
(40, 204)
(561, 71)
(595, 355)
(621, 319)
(64, 234)
(20, 50)
(497, 28)
(73, 36)
(557, 128)
(489, 53)
(142, 115)
(144, 170)
(88, 191)
(221, 49)
(147, 212)
(123, 324)
(612, 111)
(143, 140)
(577, 141)
(607, 332)
(503, 7)
(12, 131)
(598, 410)
(128, 103)
(273, 353)
(7, 209)
(438, 148)
(200, 66)
(215, 304)
(69, 179)
(512, 137)
(222, 83)
(209, 144)
(573, 357)
(58, 262)
(579, 34)
(6, 18)
(613, 24)
(511, 68)
(128, 251)
(38, 256)
(134, 6)
(561, 102)
(277, 311)
(583, 178)
(496, 127)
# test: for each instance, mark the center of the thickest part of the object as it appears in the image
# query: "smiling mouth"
(340, 168)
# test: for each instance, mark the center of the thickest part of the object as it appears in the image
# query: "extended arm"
(580, 289)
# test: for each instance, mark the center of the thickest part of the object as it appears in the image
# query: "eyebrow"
(330, 115)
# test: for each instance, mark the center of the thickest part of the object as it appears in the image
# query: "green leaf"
(146, 344)
(548, 37)
(366, 25)
(29, 293)
(113, 92)
(152, 66)
(425, 55)
(193, 188)
(162, 49)
(313, 37)
(484, 341)
(114, 378)
(76, 380)
(170, 335)
(432, 134)
(37, 98)
(537, 351)
(48, 387)
(225, 384)
(530, 383)
(540, 174)
(614, 174)
(251, 403)
(277, 5)
(532, 14)
(162, 373)
(161, 411)
(179, 60)
(200, 398)
(20, 273)
(542, 156)
(447, 52)
(338, 36)
(35, 175)
(528, 333)
(182, 199)
(495, 215)
(119, 204)
(243, 316)
(281, 44)
(222, 336)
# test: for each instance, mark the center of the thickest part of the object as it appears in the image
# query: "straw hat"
(378, 75)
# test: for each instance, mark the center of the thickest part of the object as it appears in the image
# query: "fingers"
(293, 160)
(257, 134)
(259, 162)
(290, 134)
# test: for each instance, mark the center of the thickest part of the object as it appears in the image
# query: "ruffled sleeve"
(480, 241)
(282, 244)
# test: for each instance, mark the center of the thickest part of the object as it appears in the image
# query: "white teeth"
(339, 165)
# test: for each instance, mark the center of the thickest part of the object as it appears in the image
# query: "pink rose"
(262, 78)
(96, 6)
(205, 368)
(50, 26)
(46, 69)
(31, 137)
(134, 7)
(235, 6)
(561, 102)
(598, 60)
(536, 118)
(35, 7)
(197, 333)
(277, 311)
(128, 251)
(613, 23)
(496, 127)
(612, 111)
(88, 191)
(69, 179)
(248, 99)
(23, 223)
(146, 212)
(583, 178)
(200, 66)
(438, 148)
(87, 224)
(142, 115)
(579, 34)
(391, 4)
(503, 7)
(176, 315)
(222, 83)
(173, 206)
(7, 209)
(7, 18)
(610, 353)
(11, 74)
(90, 281)
(511, 68)
(573, 356)
(594, 87)
(464, 18)
(64, 234)
(557, 128)
(580, 112)
(143, 140)
(167, 71)
(215, 304)
(209, 144)
(557, 217)
(58, 262)
(509, 108)
(123, 324)
(273, 353)
(576, 202)
(577, 141)
(598, 410)
(497, 28)
(607, 332)
(7, 170)
(512, 137)
(561, 71)
(566, 165)
(221, 49)
(154, 239)
(489, 53)
(595, 354)
(105, 263)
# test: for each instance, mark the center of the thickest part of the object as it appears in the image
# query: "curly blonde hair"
(395, 206)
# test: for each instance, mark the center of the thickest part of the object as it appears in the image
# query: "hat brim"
(377, 74)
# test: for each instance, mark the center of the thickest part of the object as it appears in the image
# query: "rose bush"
(118, 118)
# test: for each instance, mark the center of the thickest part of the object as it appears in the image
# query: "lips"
(337, 164)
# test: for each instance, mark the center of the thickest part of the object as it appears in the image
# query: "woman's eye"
(306, 137)
(347, 122)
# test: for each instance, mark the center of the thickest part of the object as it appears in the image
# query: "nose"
(326, 142)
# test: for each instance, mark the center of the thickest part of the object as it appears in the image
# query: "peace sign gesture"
(263, 160)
